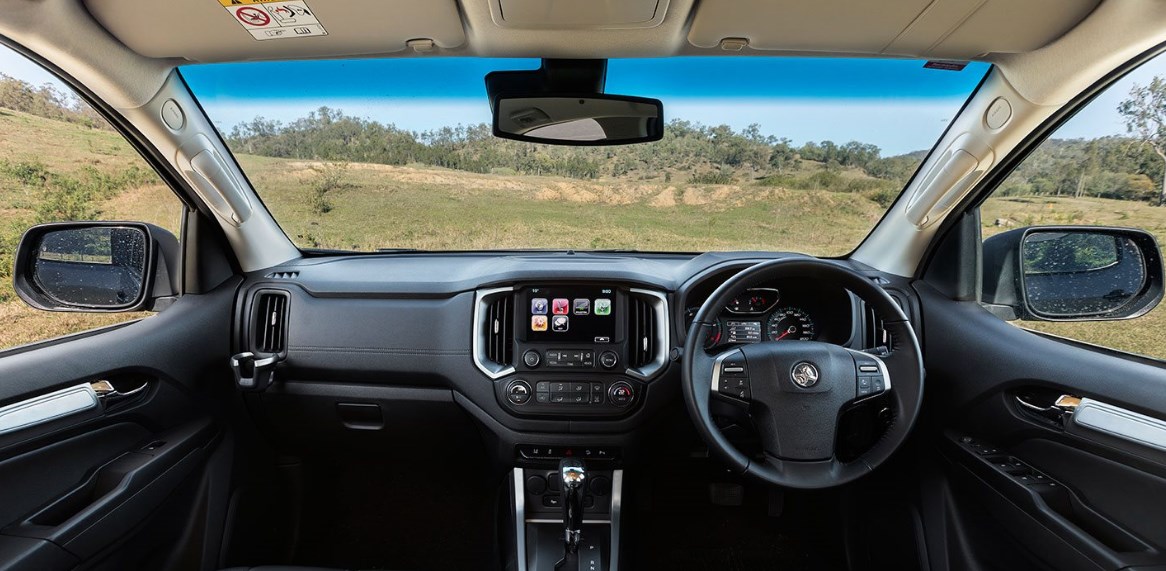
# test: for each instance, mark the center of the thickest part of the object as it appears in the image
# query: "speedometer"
(790, 323)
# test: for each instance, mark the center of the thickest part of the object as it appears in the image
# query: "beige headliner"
(1034, 42)
(202, 30)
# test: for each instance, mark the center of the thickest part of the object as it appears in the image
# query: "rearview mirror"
(95, 266)
(1068, 273)
(595, 119)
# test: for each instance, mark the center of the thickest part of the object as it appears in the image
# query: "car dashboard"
(540, 350)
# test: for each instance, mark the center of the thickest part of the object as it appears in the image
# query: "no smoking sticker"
(275, 20)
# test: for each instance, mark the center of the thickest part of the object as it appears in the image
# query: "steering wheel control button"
(518, 392)
(621, 393)
(531, 358)
(608, 359)
(736, 387)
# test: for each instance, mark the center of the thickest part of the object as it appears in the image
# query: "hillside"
(714, 190)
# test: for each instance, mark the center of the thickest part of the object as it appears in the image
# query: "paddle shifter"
(574, 475)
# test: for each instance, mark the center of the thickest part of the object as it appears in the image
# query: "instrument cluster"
(779, 312)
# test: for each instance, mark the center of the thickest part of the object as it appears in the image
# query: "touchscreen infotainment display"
(571, 314)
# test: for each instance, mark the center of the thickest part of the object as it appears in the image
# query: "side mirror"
(1073, 273)
(100, 267)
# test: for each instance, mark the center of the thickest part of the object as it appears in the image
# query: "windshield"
(759, 153)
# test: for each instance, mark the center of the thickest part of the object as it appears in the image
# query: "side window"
(1104, 167)
(61, 161)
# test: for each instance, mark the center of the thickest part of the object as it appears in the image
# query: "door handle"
(108, 393)
(1064, 404)
(1061, 407)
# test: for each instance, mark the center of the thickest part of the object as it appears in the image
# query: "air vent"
(283, 275)
(642, 327)
(500, 330)
(269, 322)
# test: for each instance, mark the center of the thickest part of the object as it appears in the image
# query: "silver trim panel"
(519, 517)
(560, 521)
(1119, 422)
(47, 407)
(716, 384)
(663, 335)
(886, 374)
(482, 298)
(616, 503)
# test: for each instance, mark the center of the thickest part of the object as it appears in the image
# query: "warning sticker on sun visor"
(275, 20)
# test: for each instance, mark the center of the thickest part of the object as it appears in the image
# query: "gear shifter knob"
(574, 475)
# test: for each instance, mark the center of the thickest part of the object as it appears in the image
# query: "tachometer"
(790, 323)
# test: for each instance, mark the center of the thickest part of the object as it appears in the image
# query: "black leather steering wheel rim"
(904, 363)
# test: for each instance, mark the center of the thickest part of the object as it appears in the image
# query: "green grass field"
(379, 206)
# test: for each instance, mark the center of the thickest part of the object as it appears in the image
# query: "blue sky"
(895, 104)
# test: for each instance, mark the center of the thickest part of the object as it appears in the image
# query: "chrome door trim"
(45, 408)
(1120, 423)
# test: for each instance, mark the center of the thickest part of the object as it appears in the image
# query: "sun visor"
(931, 29)
(230, 30)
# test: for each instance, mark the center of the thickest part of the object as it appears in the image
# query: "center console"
(553, 536)
(570, 349)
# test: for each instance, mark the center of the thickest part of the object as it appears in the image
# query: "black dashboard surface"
(400, 328)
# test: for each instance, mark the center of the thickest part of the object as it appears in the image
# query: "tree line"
(697, 152)
(1119, 167)
(48, 102)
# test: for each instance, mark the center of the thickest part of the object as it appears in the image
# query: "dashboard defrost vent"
(269, 322)
(642, 333)
(500, 330)
(283, 275)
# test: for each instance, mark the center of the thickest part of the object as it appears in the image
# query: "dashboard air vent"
(499, 325)
(269, 322)
(283, 275)
(642, 332)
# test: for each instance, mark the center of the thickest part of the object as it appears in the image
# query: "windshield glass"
(759, 153)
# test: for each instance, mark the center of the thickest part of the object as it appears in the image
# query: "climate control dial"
(621, 393)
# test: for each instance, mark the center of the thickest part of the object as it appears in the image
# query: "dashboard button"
(518, 392)
(531, 358)
(608, 359)
(536, 485)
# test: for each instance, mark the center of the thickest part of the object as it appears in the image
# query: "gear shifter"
(574, 475)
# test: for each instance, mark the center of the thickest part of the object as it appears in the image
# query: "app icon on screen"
(581, 306)
(559, 306)
(538, 306)
(559, 323)
(603, 306)
(538, 323)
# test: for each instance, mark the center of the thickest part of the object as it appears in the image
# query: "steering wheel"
(794, 391)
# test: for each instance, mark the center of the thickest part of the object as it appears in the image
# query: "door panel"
(115, 486)
(1059, 498)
